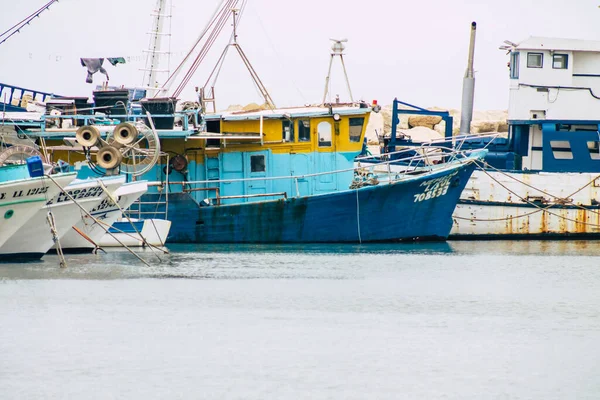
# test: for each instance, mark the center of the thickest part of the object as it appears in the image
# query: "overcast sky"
(413, 50)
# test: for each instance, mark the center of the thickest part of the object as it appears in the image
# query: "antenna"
(337, 49)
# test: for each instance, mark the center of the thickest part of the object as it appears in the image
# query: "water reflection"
(290, 261)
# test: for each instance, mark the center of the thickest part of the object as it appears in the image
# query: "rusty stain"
(580, 220)
(525, 225)
(544, 224)
(509, 224)
(562, 220)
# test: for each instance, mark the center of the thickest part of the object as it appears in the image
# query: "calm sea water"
(458, 320)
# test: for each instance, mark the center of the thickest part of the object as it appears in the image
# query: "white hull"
(34, 238)
(155, 231)
(20, 200)
(107, 213)
(489, 210)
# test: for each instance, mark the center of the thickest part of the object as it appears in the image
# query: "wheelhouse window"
(324, 130)
(288, 130)
(356, 128)
(594, 149)
(560, 61)
(514, 65)
(257, 163)
(304, 130)
(535, 60)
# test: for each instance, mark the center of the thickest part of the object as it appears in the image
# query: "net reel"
(131, 148)
(18, 154)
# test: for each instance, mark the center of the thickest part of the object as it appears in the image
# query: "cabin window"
(257, 163)
(535, 60)
(561, 149)
(514, 66)
(288, 130)
(324, 130)
(594, 150)
(304, 130)
(356, 128)
(560, 61)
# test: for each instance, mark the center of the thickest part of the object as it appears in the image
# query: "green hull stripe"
(10, 203)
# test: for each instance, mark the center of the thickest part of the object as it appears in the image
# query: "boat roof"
(548, 43)
(291, 112)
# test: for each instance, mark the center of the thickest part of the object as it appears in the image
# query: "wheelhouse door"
(255, 166)
(325, 154)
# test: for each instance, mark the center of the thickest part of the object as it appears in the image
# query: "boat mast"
(161, 13)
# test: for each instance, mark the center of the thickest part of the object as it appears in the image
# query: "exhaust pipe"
(468, 94)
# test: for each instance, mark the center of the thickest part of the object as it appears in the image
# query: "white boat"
(86, 233)
(21, 199)
(543, 179)
(35, 238)
(154, 232)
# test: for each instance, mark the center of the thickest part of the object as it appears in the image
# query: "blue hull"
(384, 212)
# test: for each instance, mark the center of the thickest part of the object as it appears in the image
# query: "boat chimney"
(468, 94)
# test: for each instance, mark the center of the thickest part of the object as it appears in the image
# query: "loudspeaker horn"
(108, 157)
(88, 136)
(125, 133)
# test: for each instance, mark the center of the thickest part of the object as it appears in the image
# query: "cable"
(17, 28)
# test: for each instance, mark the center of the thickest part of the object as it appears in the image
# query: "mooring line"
(95, 220)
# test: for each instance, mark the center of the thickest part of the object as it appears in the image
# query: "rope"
(55, 239)
(89, 239)
(96, 220)
(358, 218)
(116, 203)
(483, 165)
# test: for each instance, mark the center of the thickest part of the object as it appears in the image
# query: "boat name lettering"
(78, 194)
(434, 188)
(23, 193)
(106, 203)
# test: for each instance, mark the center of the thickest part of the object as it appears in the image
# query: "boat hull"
(34, 238)
(107, 213)
(559, 205)
(414, 208)
(154, 232)
(20, 200)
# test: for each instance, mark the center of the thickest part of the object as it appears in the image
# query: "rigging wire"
(563, 201)
(20, 25)
(222, 18)
(224, 5)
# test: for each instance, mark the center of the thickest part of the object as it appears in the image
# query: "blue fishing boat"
(278, 176)
(267, 175)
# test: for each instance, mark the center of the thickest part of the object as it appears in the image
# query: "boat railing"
(148, 209)
(416, 165)
(49, 124)
(10, 93)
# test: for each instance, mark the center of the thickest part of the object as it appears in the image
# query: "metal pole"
(347, 80)
(466, 114)
(327, 79)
